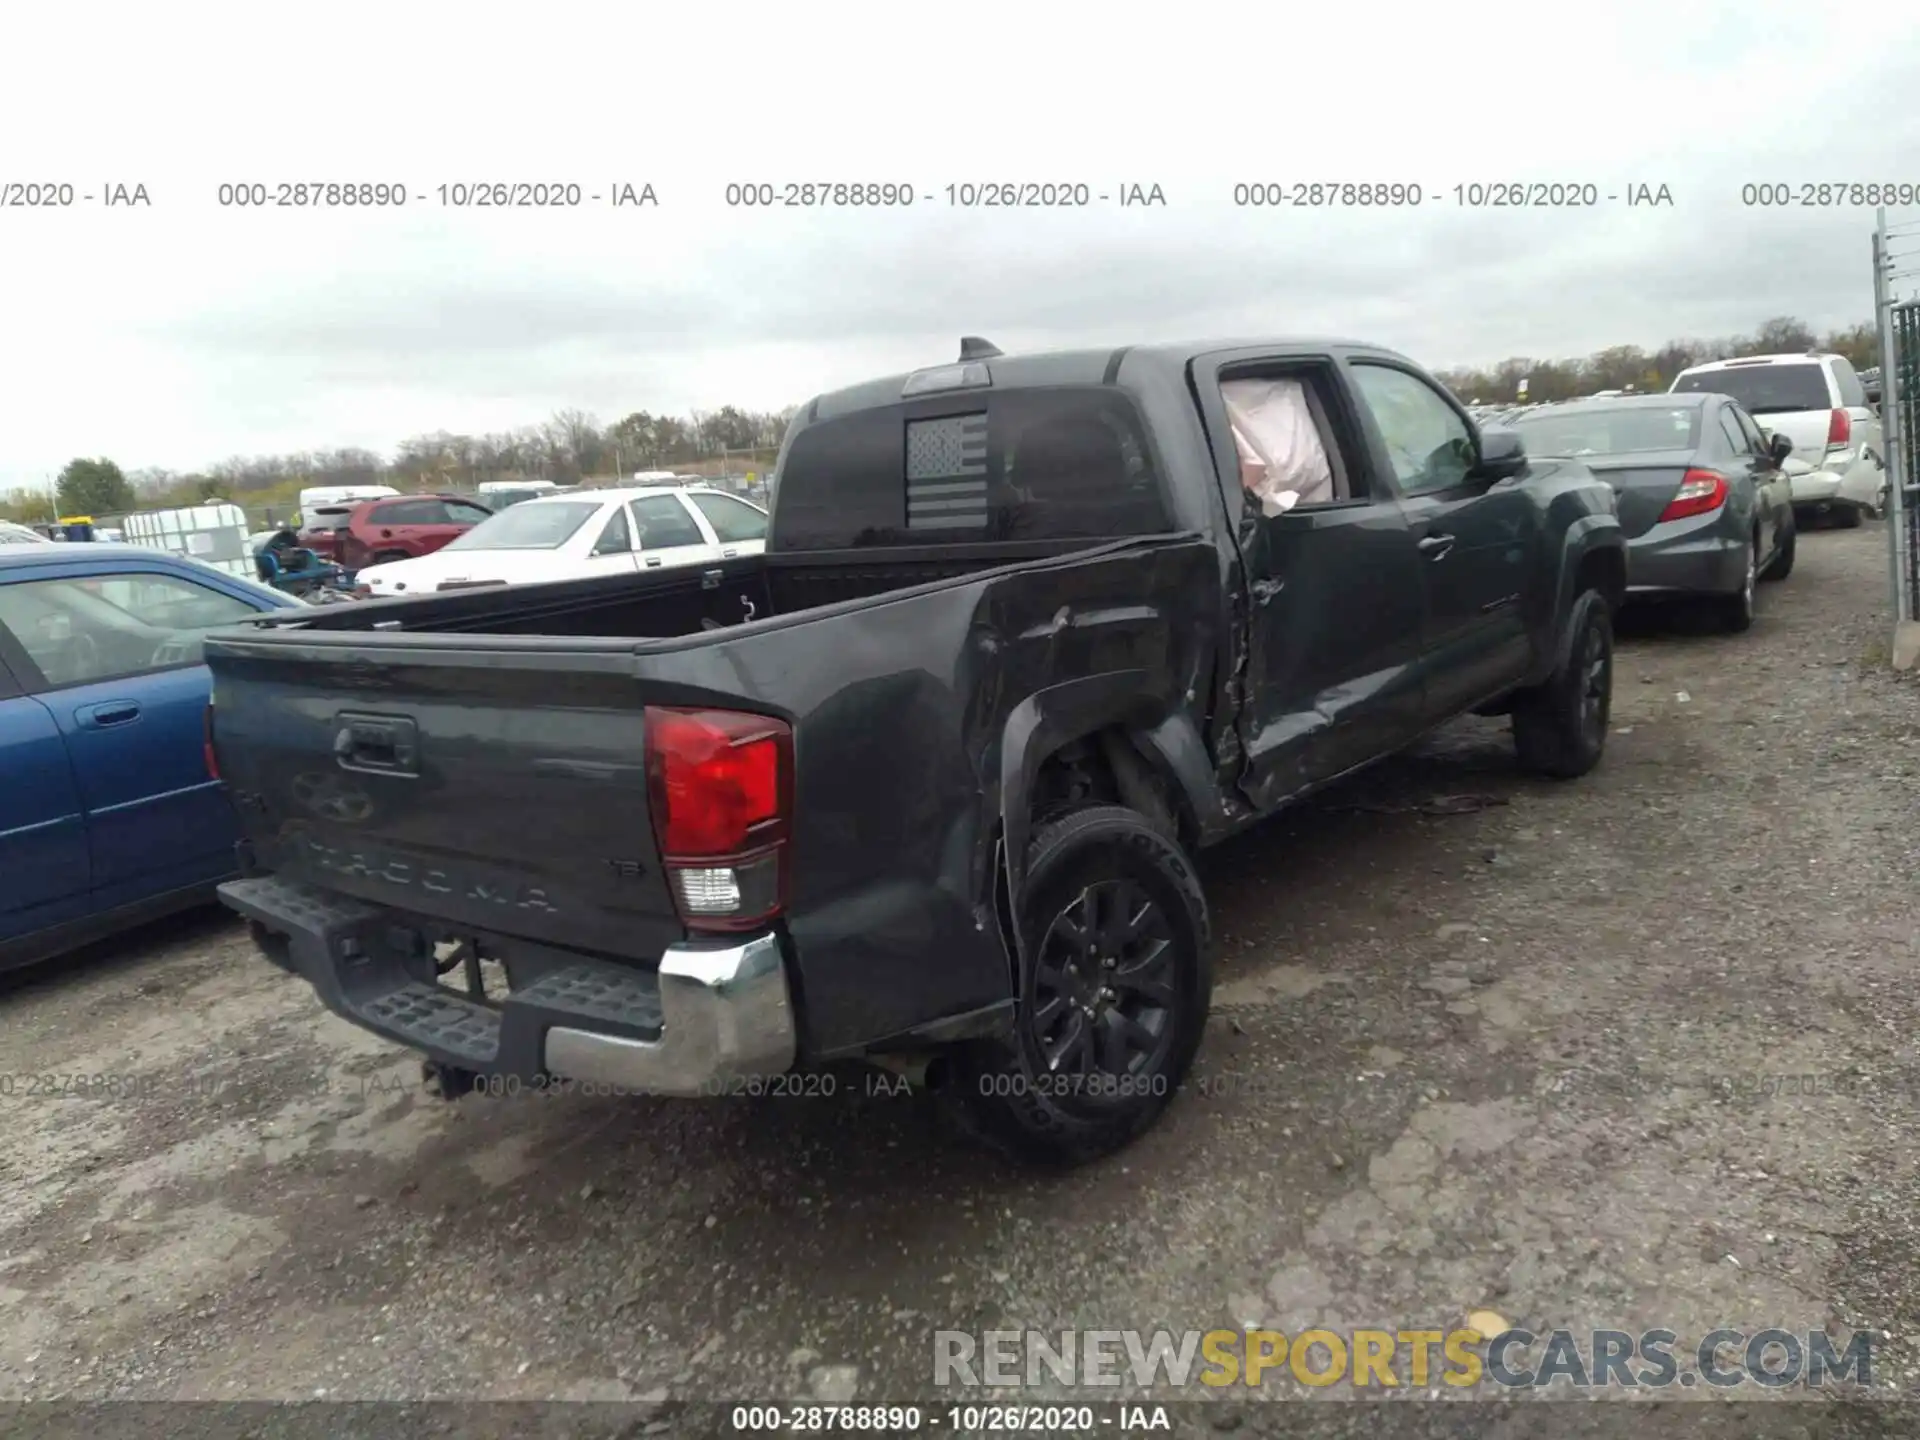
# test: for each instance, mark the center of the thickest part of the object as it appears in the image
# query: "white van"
(319, 495)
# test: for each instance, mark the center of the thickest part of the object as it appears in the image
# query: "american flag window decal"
(947, 473)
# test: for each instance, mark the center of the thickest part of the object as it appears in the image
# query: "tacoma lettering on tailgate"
(392, 870)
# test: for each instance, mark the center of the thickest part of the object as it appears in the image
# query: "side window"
(80, 630)
(412, 512)
(1852, 392)
(615, 539)
(732, 520)
(664, 523)
(1281, 438)
(1427, 442)
(1736, 437)
(460, 513)
(1750, 428)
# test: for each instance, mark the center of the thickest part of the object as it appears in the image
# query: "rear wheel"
(1113, 1002)
(1560, 728)
(1846, 517)
(1782, 564)
(1735, 611)
(387, 557)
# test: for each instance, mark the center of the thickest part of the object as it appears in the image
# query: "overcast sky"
(183, 333)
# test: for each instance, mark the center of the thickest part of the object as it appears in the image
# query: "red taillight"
(720, 784)
(1839, 429)
(1701, 492)
(213, 763)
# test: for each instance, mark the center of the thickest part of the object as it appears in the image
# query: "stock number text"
(311, 194)
(819, 194)
(1830, 193)
(1273, 194)
(893, 1419)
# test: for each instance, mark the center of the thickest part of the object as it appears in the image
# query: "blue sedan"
(108, 813)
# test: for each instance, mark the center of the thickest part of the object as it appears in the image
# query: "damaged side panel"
(919, 725)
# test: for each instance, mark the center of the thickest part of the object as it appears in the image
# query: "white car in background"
(628, 530)
(12, 534)
(1817, 402)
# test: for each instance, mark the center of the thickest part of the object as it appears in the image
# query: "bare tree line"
(573, 445)
(1628, 366)
(570, 446)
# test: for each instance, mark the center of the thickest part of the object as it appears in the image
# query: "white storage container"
(214, 534)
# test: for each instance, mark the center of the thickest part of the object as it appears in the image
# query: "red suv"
(401, 527)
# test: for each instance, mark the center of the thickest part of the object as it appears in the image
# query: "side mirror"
(1779, 447)
(1502, 454)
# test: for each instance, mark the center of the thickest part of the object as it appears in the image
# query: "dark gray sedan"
(1705, 499)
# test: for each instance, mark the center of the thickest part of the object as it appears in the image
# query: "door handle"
(378, 744)
(728, 553)
(107, 714)
(1265, 590)
(1435, 547)
(653, 560)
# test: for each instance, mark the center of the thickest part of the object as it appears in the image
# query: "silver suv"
(1817, 402)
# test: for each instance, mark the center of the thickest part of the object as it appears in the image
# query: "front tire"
(1560, 727)
(1846, 517)
(1113, 1002)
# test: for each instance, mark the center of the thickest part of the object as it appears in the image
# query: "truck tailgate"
(501, 789)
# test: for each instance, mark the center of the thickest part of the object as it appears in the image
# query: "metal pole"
(1890, 422)
(1888, 411)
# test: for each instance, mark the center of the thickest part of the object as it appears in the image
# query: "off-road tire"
(999, 1091)
(1558, 728)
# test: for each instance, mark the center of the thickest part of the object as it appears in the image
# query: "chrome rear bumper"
(711, 1016)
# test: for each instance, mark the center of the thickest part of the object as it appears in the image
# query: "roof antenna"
(972, 347)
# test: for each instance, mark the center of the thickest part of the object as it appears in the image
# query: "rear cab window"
(1771, 389)
(1041, 463)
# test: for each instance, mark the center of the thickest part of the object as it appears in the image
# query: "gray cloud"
(265, 338)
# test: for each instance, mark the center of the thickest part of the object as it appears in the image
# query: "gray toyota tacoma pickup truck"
(922, 785)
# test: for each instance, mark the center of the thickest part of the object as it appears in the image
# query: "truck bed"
(675, 603)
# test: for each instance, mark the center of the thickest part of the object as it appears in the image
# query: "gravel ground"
(1502, 1059)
